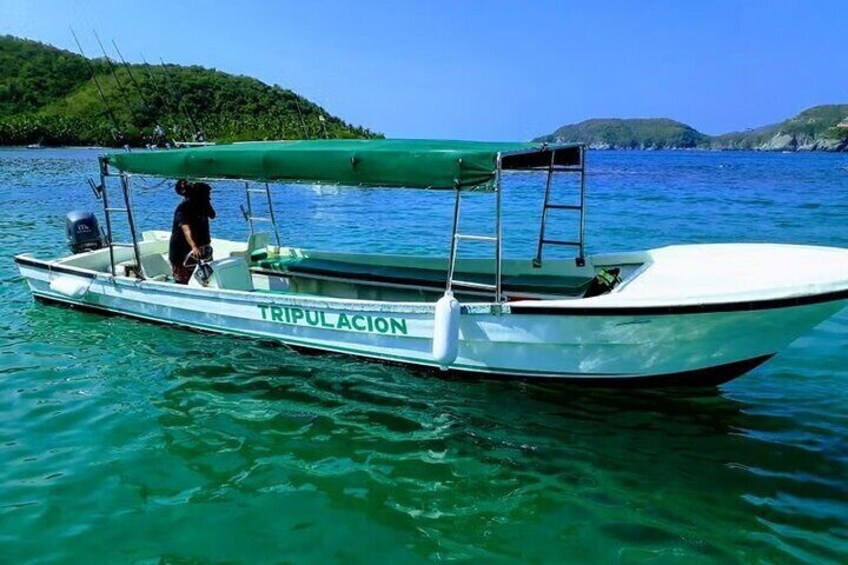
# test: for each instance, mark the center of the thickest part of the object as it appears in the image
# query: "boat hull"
(689, 348)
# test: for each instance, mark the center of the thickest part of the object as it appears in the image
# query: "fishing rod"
(323, 121)
(156, 87)
(159, 131)
(197, 132)
(116, 130)
(111, 66)
(132, 76)
(300, 115)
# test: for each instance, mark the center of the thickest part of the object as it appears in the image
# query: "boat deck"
(416, 276)
(403, 278)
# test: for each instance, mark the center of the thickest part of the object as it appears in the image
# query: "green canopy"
(363, 162)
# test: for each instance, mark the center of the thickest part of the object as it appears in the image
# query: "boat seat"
(257, 245)
(413, 276)
(155, 267)
(231, 273)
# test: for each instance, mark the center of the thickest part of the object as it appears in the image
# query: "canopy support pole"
(498, 234)
(104, 173)
(251, 219)
(537, 261)
(125, 188)
(271, 211)
(581, 257)
(249, 215)
(454, 239)
(103, 191)
(456, 236)
(580, 208)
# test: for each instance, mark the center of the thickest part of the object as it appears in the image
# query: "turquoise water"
(127, 442)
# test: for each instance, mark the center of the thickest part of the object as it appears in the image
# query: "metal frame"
(126, 190)
(248, 214)
(580, 208)
(497, 239)
(456, 236)
(104, 173)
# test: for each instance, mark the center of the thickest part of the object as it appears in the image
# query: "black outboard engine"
(83, 231)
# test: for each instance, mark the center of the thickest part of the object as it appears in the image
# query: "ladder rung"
(260, 219)
(561, 242)
(119, 244)
(259, 190)
(469, 284)
(562, 169)
(476, 237)
(116, 209)
(564, 206)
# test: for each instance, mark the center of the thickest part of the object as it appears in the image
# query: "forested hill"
(821, 128)
(637, 133)
(48, 96)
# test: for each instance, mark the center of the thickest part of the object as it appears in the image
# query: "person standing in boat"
(190, 232)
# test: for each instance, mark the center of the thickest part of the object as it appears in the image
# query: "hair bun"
(182, 187)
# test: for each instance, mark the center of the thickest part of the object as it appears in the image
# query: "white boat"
(683, 315)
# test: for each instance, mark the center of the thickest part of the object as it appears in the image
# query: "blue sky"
(489, 70)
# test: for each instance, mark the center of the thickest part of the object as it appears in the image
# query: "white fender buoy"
(70, 287)
(446, 330)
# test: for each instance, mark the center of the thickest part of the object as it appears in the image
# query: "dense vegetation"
(656, 133)
(47, 95)
(812, 129)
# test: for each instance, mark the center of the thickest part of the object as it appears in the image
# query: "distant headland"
(821, 128)
(48, 97)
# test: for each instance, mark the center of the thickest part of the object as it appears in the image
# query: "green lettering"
(287, 312)
(276, 313)
(324, 323)
(309, 319)
(370, 321)
(357, 320)
(296, 314)
(264, 308)
(382, 325)
(398, 326)
(343, 323)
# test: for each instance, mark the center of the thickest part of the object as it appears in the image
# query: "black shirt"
(196, 216)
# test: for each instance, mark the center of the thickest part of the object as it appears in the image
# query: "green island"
(821, 128)
(47, 96)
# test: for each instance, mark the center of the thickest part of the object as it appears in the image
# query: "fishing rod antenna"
(159, 132)
(116, 130)
(177, 125)
(196, 131)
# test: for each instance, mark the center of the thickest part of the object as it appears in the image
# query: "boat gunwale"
(251, 297)
(676, 309)
(534, 307)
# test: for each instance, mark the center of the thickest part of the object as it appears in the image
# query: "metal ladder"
(457, 237)
(579, 243)
(102, 193)
(251, 218)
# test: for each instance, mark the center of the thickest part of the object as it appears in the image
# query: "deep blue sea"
(126, 442)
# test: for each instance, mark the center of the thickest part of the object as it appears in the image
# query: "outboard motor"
(83, 232)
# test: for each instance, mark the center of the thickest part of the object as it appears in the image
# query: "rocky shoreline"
(779, 143)
(821, 128)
